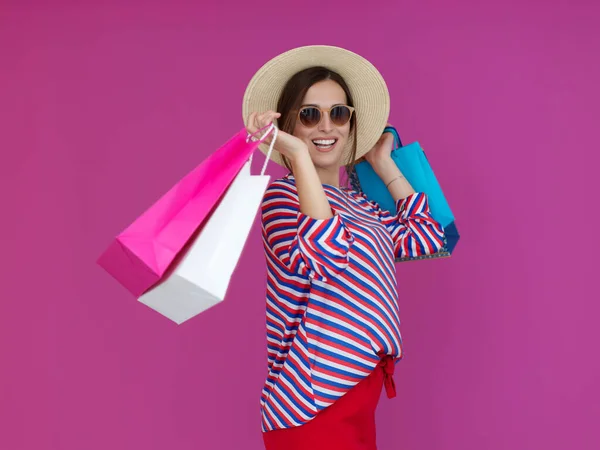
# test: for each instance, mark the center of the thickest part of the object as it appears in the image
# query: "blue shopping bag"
(413, 163)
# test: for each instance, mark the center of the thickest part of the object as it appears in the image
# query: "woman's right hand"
(288, 145)
(311, 196)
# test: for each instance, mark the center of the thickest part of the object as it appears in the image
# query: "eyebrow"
(319, 106)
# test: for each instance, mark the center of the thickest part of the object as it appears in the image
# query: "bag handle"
(252, 136)
(275, 130)
(397, 141)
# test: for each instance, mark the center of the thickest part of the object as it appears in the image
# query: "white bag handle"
(275, 130)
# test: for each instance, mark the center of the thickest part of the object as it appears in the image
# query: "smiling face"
(326, 141)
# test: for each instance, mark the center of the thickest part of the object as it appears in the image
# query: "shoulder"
(282, 192)
(283, 185)
(286, 181)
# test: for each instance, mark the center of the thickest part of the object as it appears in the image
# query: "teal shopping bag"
(413, 163)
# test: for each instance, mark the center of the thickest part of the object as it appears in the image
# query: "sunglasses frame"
(322, 111)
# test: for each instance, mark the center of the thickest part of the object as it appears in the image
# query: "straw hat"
(367, 86)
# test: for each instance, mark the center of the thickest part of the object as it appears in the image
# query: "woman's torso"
(326, 336)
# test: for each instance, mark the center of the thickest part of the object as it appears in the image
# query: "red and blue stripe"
(332, 301)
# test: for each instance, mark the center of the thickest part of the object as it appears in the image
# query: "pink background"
(103, 108)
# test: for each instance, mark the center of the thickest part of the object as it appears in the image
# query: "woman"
(332, 312)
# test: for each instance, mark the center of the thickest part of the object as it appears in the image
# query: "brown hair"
(291, 100)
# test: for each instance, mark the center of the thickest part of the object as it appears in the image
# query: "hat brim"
(367, 86)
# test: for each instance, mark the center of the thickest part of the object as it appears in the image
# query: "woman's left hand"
(381, 153)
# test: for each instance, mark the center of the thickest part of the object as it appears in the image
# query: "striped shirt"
(332, 301)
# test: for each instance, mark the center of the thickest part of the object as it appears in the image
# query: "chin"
(326, 160)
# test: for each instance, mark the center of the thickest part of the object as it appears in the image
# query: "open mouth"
(324, 145)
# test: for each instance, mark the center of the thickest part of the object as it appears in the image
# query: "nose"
(326, 125)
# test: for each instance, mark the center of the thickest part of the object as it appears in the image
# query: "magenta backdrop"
(103, 108)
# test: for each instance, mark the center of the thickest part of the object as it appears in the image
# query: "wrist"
(386, 168)
(300, 157)
(388, 183)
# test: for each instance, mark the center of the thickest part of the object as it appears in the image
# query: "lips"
(325, 144)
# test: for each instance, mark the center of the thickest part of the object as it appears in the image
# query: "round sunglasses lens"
(340, 115)
(310, 116)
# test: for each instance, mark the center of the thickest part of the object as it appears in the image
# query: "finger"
(252, 127)
(260, 120)
(255, 119)
(250, 124)
(268, 117)
(264, 119)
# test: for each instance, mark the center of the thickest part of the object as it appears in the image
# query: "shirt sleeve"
(314, 248)
(414, 231)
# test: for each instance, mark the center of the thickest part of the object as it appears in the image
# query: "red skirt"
(348, 424)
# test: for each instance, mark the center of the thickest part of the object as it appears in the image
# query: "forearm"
(397, 184)
(311, 195)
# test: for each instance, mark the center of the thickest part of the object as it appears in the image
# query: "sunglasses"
(311, 116)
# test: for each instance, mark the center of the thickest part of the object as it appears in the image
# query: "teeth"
(323, 142)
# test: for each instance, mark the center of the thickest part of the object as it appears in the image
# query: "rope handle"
(271, 128)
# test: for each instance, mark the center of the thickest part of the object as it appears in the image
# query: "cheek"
(345, 132)
(303, 136)
(300, 132)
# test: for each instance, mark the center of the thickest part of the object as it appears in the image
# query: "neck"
(329, 176)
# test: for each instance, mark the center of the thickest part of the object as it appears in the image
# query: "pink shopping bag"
(141, 254)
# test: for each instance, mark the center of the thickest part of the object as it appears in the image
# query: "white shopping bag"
(201, 277)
